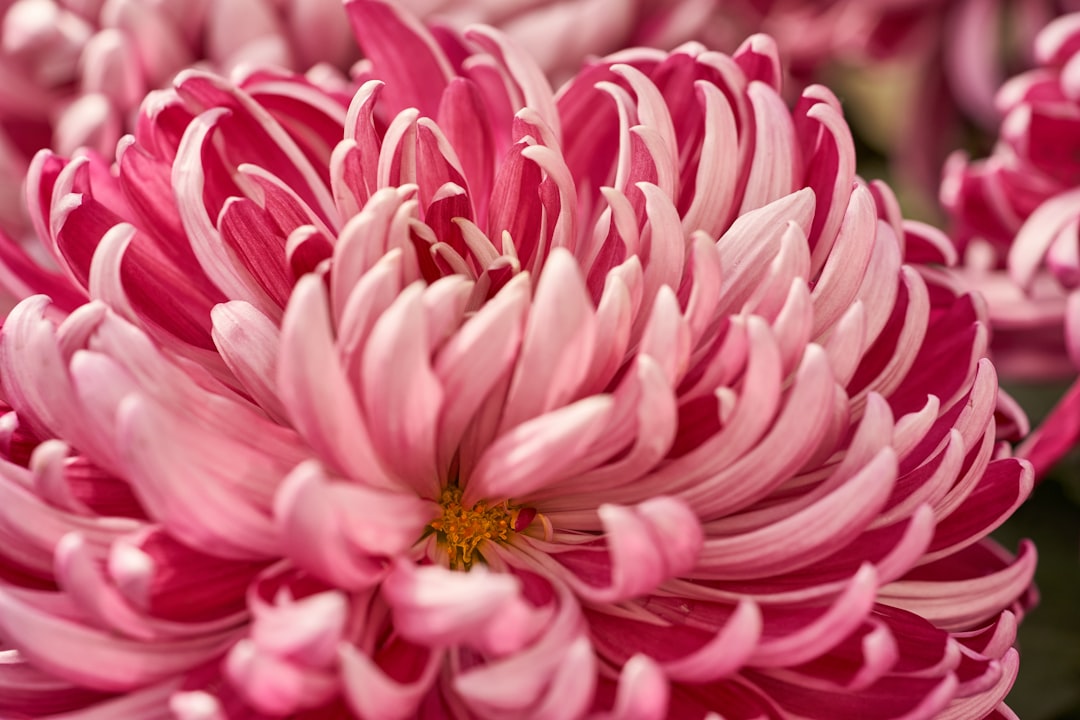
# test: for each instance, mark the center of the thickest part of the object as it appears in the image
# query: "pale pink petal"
(344, 532)
(248, 342)
(402, 394)
(642, 694)
(314, 390)
(188, 491)
(538, 452)
(92, 658)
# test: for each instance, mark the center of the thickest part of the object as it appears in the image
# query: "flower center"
(461, 530)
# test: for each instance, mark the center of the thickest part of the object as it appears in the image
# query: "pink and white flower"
(1016, 215)
(458, 398)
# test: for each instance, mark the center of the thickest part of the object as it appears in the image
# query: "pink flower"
(1019, 208)
(461, 399)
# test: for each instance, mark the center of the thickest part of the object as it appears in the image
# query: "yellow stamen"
(461, 530)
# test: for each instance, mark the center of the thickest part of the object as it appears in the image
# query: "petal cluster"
(944, 57)
(461, 398)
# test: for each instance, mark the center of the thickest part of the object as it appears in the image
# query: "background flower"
(73, 72)
(455, 397)
(1018, 208)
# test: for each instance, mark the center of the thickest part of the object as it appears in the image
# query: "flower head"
(457, 398)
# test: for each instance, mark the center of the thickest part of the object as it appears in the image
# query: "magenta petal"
(188, 179)
(410, 60)
(1057, 434)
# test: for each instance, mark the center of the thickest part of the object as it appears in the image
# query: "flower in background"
(73, 72)
(461, 399)
(1017, 215)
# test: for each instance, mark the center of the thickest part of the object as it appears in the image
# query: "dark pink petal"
(793, 634)
(691, 643)
(169, 580)
(938, 593)
(1005, 484)
(1057, 433)
(408, 57)
(891, 698)
(189, 181)
(250, 232)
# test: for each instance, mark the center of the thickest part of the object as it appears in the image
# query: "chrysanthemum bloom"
(73, 72)
(467, 400)
(1017, 215)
